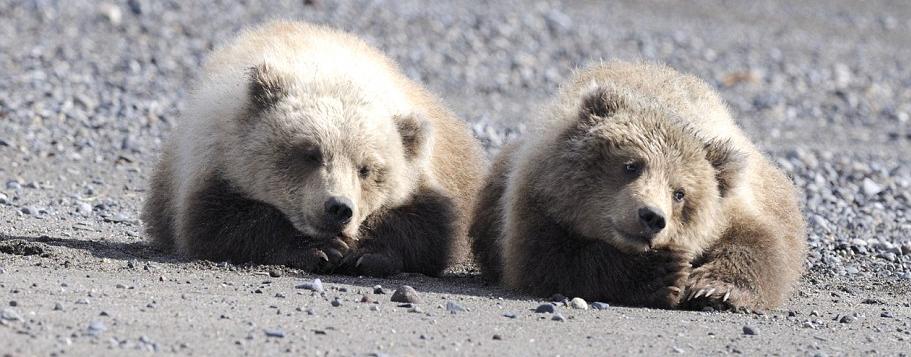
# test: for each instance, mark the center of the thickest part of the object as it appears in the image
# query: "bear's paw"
(706, 289)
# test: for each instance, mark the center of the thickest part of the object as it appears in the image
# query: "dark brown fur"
(555, 260)
(487, 223)
(416, 237)
(224, 225)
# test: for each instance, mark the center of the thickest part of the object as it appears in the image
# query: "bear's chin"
(313, 232)
(631, 243)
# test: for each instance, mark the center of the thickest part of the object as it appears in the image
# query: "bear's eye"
(679, 195)
(313, 156)
(632, 168)
(363, 171)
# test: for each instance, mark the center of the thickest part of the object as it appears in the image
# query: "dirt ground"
(89, 296)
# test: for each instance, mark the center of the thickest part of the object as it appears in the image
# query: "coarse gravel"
(89, 91)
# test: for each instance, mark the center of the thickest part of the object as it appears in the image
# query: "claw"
(340, 245)
(322, 255)
(726, 296)
(333, 253)
(359, 261)
(710, 292)
(675, 289)
(699, 293)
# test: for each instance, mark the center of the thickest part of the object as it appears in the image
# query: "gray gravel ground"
(88, 91)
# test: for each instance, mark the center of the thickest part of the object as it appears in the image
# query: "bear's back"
(311, 53)
(691, 98)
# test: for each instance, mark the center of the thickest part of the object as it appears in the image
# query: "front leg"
(418, 237)
(753, 266)
(221, 224)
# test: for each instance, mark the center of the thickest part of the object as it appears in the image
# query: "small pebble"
(275, 273)
(406, 294)
(274, 333)
(578, 303)
(886, 314)
(454, 308)
(416, 309)
(58, 307)
(84, 208)
(10, 315)
(871, 188)
(557, 298)
(750, 331)
(847, 319)
(13, 185)
(600, 306)
(546, 308)
(367, 299)
(377, 289)
(336, 302)
(13, 303)
(96, 328)
(558, 317)
(497, 337)
(510, 315)
(315, 285)
(111, 12)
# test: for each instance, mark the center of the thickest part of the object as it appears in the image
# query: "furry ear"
(416, 132)
(266, 86)
(728, 162)
(598, 102)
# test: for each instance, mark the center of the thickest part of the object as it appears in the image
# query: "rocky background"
(89, 90)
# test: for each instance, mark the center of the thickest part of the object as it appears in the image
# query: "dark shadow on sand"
(459, 281)
(45, 246)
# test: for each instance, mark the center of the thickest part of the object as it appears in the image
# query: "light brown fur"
(285, 93)
(569, 221)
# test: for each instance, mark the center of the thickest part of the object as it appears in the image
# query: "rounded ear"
(417, 134)
(598, 102)
(728, 162)
(267, 86)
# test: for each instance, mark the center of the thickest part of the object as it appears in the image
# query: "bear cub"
(636, 187)
(304, 146)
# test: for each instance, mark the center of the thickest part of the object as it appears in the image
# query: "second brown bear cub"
(636, 187)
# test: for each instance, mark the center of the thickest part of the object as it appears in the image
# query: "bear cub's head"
(633, 173)
(323, 153)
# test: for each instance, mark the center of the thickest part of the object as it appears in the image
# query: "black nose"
(652, 219)
(338, 211)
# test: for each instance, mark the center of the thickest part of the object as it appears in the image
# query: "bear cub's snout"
(652, 220)
(338, 213)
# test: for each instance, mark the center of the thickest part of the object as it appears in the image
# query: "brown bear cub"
(304, 146)
(637, 188)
